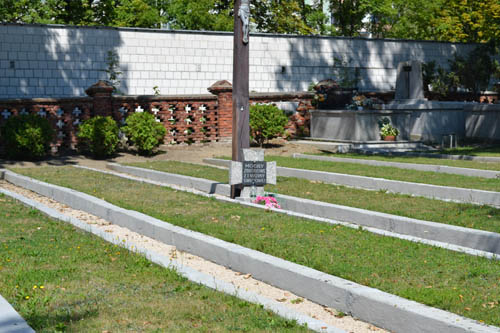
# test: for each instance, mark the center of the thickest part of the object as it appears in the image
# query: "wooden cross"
(241, 112)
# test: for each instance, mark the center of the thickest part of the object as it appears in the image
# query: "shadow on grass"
(59, 321)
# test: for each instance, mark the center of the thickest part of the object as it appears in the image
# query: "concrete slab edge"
(446, 193)
(411, 166)
(466, 240)
(207, 186)
(10, 320)
(442, 156)
(188, 272)
(371, 305)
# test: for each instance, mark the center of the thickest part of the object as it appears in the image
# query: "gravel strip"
(241, 281)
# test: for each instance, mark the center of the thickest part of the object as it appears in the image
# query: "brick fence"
(187, 118)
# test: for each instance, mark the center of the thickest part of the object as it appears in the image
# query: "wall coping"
(152, 98)
(45, 100)
(230, 33)
(281, 95)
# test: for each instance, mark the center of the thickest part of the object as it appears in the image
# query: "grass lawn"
(463, 284)
(61, 279)
(464, 215)
(421, 160)
(473, 150)
(425, 177)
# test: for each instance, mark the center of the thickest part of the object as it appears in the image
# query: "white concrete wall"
(56, 61)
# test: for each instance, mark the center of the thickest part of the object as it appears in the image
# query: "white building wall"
(59, 61)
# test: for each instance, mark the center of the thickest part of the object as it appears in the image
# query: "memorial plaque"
(254, 173)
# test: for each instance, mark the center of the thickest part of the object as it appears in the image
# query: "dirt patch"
(194, 153)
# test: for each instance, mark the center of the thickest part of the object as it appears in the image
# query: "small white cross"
(202, 108)
(61, 135)
(77, 112)
(186, 131)
(6, 114)
(42, 113)
(60, 124)
(76, 122)
(139, 109)
(188, 120)
(187, 108)
(173, 132)
(123, 110)
(23, 112)
(60, 112)
(171, 108)
(155, 111)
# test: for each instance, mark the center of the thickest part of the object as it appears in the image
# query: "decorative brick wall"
(187, 118)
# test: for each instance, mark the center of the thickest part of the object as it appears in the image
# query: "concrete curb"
(200, 184)
(10, 320)
(483, 241)
(440, 156)
(445, 193)
(411, 166)
(471, 241)
(188, 272)
(371, 305)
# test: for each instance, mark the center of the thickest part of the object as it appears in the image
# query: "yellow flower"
(26, 297)
(34, 287)
(42, 287)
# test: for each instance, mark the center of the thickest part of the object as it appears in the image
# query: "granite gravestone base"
(253, 173)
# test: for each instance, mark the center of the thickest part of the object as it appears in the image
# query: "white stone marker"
(253, 173)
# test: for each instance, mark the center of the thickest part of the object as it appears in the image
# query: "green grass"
(473, 150)
(459, 214)
(425, 177)
(62, 279)
(452, 281)
(421, 160)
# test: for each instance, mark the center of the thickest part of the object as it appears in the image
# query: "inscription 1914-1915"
(254, 173)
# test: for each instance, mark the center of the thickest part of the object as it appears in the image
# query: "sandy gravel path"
(239, 280)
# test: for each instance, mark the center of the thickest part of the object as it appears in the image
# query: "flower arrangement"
(360, 102)
(388, 130)
(269, 202)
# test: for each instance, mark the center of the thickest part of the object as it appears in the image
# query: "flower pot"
(389, 138)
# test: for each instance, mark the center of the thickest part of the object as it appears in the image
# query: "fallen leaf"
(248, 276)
(281, 299)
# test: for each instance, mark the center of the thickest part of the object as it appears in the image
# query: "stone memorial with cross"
(252, 173)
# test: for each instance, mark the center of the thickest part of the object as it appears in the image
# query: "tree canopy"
(449, 20)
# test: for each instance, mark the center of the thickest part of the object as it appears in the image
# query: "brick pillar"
(102, 102)
(224, 91)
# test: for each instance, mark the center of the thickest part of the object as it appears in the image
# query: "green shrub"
(266, 122)
(99, 135)
(27, 137)
(144, 132)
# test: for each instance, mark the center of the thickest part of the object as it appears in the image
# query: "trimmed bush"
(27, 137)
(144, 132)
(99, 136)
(266, 122)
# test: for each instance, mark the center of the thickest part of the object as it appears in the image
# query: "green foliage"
(144, 132)
(388, 130)
(99, 135)
(214, 15)
(266, 122)
(474, 71)
(113, 70)
(27, 137)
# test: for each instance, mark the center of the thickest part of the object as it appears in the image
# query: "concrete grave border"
(382, 309)
(446, 193)
(186, 271)
(471, 241)
(412, 166)
(10, 320)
